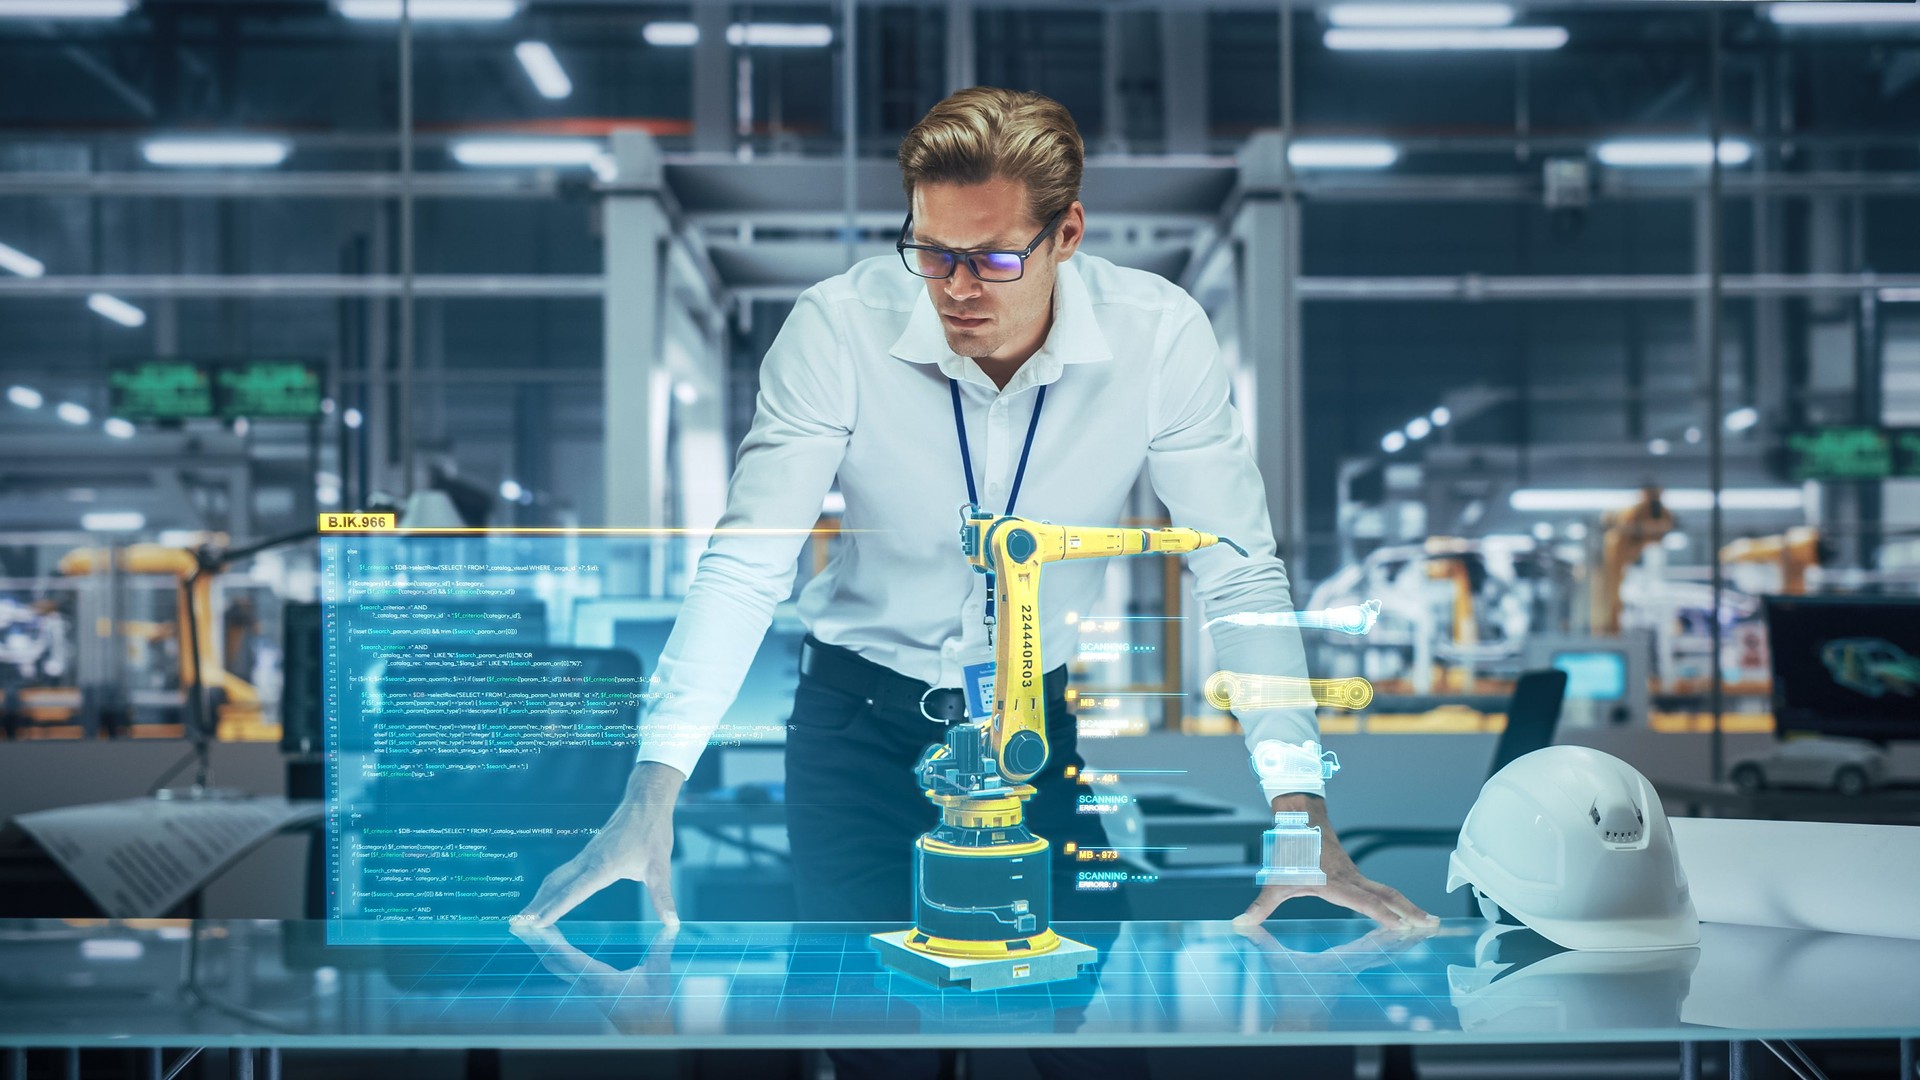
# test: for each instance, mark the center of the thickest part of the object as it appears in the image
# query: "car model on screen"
(1846, 766)
(1872, 666)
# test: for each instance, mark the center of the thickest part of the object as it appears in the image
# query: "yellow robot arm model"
(1012, 550)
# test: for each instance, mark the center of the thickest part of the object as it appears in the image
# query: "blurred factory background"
(1522, 356)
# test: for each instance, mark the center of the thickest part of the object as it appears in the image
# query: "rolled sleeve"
(803, 416)
(1201, 466)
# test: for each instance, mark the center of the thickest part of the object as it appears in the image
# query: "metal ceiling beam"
(262, 286)
(1593, 286)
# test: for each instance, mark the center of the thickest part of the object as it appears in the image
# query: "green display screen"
(267, 388)
(160, 390)
(1853, 453)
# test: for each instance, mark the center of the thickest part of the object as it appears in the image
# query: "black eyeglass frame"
(954, 258)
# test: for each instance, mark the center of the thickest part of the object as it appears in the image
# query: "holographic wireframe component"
(1301, 767)
(1239, 692)
(1354, 619)
(1290, 852)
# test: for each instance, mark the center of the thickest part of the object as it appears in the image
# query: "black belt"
(848, 672)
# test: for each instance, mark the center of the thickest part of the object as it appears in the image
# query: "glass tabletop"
(737, 985)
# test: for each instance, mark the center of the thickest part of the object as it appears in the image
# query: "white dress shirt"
(855, 387)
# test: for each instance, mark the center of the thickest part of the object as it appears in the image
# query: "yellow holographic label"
(360, 522)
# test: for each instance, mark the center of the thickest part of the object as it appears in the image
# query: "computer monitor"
(1606, 676)
(1846, 665)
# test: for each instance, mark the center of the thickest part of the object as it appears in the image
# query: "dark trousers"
(853, 812)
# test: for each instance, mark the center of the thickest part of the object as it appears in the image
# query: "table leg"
(1739, 1065)
(152, 1063)
(1909, 1064)
(72, 1063)
(240, 1063)
(270, 1063)
(1689, 1061)
(15, 1063)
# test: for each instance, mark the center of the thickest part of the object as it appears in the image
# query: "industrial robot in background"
(982, 890)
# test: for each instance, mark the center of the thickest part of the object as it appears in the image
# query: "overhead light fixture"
(1671, 153)
(20, 262)
(1542, 531)
(1341, 154)
(510, 490)
(113, 521)
(1659, 447)
(1575, 500)
(64, 9)
(351, 418)
(1693, 435)
(552, 153)
(1393, 442)
(1445, 39)
(1575, 530)
(780, 35)
(671, 34)
(73, 412)
(1419, 428)
(430, 10)
(1900, 296)
(1420, 14)
(118, 310)
(750, 35)
(25, 396)
(118, 428)
(214, 152)
(1842, 14)
(1441, 416)
(1742, 419)
(544, 69)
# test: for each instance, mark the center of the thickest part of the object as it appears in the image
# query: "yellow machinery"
(1629, 531)
(982, 881)
(1793, 552)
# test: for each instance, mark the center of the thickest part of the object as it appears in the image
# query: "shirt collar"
(1075, 337)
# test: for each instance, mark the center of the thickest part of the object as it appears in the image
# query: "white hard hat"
(1573, 843)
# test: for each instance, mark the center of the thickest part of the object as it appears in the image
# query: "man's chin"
(965, 344)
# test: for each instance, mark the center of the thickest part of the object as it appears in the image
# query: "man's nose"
(963, 285)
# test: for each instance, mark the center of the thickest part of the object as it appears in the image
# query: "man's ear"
(1072, 229)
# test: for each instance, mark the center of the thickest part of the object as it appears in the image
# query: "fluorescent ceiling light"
(1900, 296)
(1570, 500)
(1659, 447)
(113, 521)
(430, 10)
(20, 262)
(64, 9)
(1669, 153)
(781, 35)
(671, 34)
(551, 152)
(1419, 428)
(118, 310)
(351, 418)
(1393, 442)
(1455, 39)
(752, 35)
(25, 396)
(1842, 14)
(1341, 154)
(1441, 416)
(118, 428)
(173, 150)
(73, 412)
(510, 490)
(1420, 14)
(544, 69)
(1742, 419)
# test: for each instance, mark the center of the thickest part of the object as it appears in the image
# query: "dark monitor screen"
(1846, 665)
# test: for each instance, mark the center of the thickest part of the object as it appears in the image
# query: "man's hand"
(1345, 886)
(635, 844)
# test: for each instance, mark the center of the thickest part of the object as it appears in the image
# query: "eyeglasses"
(940, 263)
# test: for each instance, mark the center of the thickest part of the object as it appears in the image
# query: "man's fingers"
(660, 891)
(1263, 904)
(564, 889)
(1359, 899)
(1406, 908)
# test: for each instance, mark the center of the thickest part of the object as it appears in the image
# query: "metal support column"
(960, 37)
(1716, 412)
(1264, 233)
(637, 233)
(712, 80)
(1183, 80)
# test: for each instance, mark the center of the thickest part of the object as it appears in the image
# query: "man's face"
(992, 319)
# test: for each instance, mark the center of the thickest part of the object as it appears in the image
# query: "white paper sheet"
(1803, 875)
(138, 858)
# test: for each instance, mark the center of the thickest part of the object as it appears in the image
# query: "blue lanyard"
(1019, 472)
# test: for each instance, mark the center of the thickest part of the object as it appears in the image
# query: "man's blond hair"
(985, 132)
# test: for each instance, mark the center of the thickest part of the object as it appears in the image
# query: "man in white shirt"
(988, 363)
